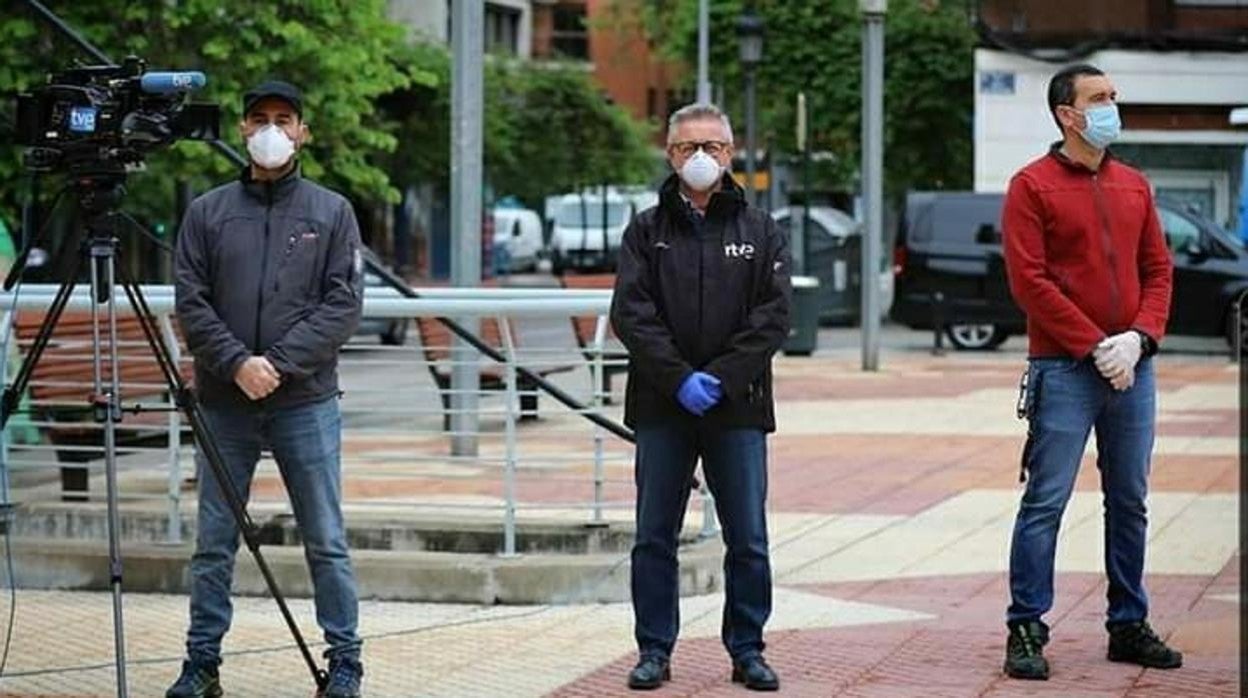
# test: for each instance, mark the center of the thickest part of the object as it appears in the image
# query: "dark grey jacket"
(274, 270)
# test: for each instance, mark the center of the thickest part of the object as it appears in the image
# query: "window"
(572, 215)
(570, 38)
(1180, 232)
(502, 30)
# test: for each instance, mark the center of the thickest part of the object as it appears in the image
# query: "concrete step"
(46, 563)
(392, 529)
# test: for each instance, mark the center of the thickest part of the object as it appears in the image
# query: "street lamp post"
(872, 174)
(750, 32)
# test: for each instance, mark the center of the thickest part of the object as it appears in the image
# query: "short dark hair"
(1062, 86)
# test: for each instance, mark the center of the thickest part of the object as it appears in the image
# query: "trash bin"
(804, 329)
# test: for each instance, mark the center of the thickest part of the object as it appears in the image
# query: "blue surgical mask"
(1102, 125)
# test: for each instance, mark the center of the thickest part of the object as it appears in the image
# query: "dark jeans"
(306, 443)
(735, 463)
(1072, 400)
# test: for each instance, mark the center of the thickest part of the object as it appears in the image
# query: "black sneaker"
(1024, 651)
(650, 673)
(1136, 643)
(198, 680)
(344, 679)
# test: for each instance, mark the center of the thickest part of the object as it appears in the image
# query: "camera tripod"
(99, 196)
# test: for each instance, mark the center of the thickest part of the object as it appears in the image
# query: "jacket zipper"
(264, 263)
(290, 248)
(1110, 257)
(701, 234)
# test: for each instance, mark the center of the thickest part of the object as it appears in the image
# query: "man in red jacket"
(1088, 264)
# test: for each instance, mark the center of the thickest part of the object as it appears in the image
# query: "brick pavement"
(892, 497)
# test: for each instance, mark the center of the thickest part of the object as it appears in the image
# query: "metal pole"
(174, 525)
(704, 51)
(6, 330)
(798, 242)
(750, 143)
(467, 42)
(872, 174)
(509, 465)
(597, 371)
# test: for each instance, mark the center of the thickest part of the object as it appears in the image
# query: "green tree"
(547, 129)
(815, 47)
(338, 51)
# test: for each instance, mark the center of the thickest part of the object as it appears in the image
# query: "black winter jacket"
(709, 294)
(274, 270)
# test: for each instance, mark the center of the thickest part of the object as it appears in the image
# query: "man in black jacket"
(702, 304)
(269, 286)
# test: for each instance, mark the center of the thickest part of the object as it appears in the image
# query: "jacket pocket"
(296, 270)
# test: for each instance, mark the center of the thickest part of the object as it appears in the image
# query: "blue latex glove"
(699, 393)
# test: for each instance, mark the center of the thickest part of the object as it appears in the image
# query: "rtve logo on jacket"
(743, 251)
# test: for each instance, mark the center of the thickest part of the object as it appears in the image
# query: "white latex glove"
(1116, 358)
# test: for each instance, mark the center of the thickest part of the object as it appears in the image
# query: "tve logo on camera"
(82, 119)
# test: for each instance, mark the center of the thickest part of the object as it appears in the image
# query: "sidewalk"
(892, 497)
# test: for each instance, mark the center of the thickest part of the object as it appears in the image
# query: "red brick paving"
(961, 651)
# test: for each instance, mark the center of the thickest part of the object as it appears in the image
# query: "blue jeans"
(1072, 399)
(735, 464)
(306, 443)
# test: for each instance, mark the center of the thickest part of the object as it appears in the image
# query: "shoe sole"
(1025, 677)
(1147, 665)
(738, 677)
(651, 685)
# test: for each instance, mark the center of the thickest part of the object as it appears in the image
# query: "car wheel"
(1231, 327)
(976, 337)
(396, 334)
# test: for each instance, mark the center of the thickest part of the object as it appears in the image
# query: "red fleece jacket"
(1085, 255)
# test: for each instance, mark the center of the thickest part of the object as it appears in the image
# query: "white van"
(517, 239)
(587, 231)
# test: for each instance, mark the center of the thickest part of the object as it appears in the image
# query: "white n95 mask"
(270, 147)
(701, 171)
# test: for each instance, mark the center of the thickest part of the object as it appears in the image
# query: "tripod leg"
(204, 440)
(13, 393)
(107, 401)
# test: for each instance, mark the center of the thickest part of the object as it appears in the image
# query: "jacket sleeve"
(213, 345)
(766, 327)
(1031, 284)
(637, 321)
(313, 342)
(1156, 278)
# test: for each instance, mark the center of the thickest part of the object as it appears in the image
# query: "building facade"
(1180, 68)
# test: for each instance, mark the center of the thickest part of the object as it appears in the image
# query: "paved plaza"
(892, 498)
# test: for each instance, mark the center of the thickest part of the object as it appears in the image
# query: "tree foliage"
(377, 103)
(816, 47)
(337, 51)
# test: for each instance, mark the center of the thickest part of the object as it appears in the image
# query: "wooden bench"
(61, 388)
(435, 342)
(584, 327)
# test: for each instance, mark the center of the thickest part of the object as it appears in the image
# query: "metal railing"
(393, 411)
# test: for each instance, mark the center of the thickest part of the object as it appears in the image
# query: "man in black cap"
(269, 286)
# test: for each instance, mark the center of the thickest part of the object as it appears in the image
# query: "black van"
(948, 254)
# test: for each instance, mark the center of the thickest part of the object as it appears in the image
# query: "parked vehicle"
(587, 231)
(834, 256)
(517, 239)
(949, 243)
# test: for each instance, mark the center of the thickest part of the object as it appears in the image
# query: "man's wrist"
(1147, 346)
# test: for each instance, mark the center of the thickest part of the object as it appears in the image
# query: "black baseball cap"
(273, 88)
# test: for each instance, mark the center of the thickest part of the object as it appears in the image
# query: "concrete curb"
(382, 575)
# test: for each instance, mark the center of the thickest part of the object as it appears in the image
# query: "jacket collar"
(1055, 152)
(271, 192)
(725, 203)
